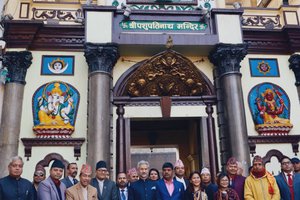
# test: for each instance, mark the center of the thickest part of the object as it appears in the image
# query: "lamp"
(237, 5)
(127, 12)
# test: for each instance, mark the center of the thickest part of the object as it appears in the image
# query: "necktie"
(123, 197)
(75, 181)
(290, 183)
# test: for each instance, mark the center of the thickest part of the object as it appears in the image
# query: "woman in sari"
(224, 192)
(194, 191)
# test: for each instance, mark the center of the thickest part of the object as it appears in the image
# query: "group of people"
(143, 183)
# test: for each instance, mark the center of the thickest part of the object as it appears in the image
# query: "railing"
(57, 14)
(261, 21)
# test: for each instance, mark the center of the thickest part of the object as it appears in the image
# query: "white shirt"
(181, 180)
(125, 192)
(100, 185)
(84, 193)
(286, 176)
(71, 179)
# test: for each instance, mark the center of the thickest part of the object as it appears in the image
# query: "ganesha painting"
(54, 107)
(270, 109)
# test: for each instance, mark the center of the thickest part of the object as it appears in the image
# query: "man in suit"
(296, 164)
(288, 181)
(72, 171)
(179, 173)
(83, 190)
(142, 189)
(38, 176)
(167, 187)
(106, 189)
(206, 184)
(52, 188)
(236, 181)
(122, 186)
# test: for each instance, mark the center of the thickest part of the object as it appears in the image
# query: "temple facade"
(123, 80)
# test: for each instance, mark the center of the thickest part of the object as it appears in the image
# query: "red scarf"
(270, 178)
(56, 182)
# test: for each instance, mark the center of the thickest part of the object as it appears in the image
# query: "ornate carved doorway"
(167, 79)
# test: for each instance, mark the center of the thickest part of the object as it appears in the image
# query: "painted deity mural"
(270, 109)
(55, 106)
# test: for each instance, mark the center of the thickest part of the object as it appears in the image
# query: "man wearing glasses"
(38, 176)
(106, 189)
(288, 181)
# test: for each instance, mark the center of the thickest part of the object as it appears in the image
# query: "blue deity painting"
(55, 106)
(270, 109)
(263, 67)
(57, 65)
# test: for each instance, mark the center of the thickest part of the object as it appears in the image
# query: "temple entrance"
(166, 140)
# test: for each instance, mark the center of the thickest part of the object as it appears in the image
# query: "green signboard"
(140, 25)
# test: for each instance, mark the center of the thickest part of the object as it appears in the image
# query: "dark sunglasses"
(38, 174)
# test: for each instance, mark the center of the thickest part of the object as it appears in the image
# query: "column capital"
(101, 57)
(294, 61)
(17, 63)
(227, 57)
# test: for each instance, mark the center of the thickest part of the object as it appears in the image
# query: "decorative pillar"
(17, 64)
(233, 129)
(212, 146)
(121, 141)
(295, 66)
(101, 59)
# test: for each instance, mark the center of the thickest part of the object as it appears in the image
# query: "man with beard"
(206, 184)
(52, 188)
(13, 186)
(38, 176)
(70, 180)
(167, 187)
(122, 186)
(142, 189)
(83, 190)
(179, 173)
(296, 164)
(106, 189)
(236, 182)
(260, 184)
(288, 181)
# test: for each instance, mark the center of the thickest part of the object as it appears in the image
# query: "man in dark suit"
(288, 181)
(52, 188)
(179, 173)
(122, 186)
(70, 179)
(142, 189)
(167, 187)
(106, 189)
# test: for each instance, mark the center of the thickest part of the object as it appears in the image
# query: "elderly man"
(260, 184)
(83, 190)
(206, 184)
(52, 188)
(288, 181)
(179, 173)
(38, 176)
(236, 181)
(13, 187)
(106, 189)
(132, 175)
(72, 171)
(296, 164)
(143, 189)
(167, 187)
(122, 186)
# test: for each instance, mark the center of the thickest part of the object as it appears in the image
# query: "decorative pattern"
(167, 74)
(57, 65)
(263, 67)
(266, 21)
(270, 109)
(61, 15)
(54, 107)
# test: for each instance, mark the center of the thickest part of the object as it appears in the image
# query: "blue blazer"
(68, 182)
(163, 194)
(284, 188)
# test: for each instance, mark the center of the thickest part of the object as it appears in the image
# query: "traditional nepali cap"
(86, 169)
(57, 164)
(40, 168)
(131, 171)
(257, 159)
(101, 164)
(178, 163)
(232, 161)
(167, 165)
(295, 160)
(205, 171)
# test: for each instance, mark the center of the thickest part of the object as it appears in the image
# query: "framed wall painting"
(264, 67)
(57, 65)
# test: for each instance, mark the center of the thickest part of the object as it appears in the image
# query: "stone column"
(17, 64)
(227, 58)
(295, 66)
(101, 59)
